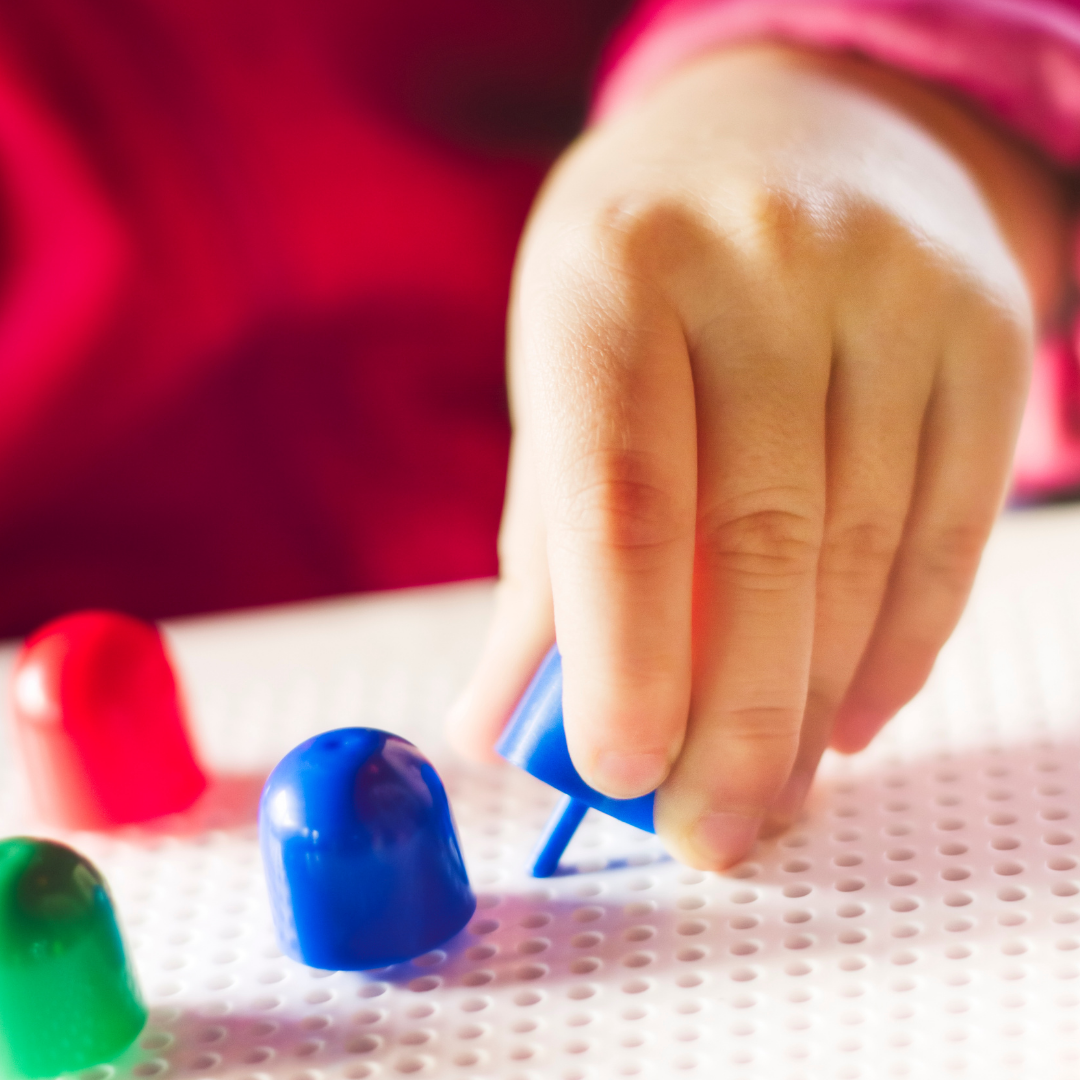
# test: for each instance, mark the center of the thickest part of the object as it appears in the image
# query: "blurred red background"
(256, 256)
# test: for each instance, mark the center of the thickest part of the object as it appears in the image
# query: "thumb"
(522, 626)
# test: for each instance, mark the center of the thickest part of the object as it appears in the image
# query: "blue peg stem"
(558, 832)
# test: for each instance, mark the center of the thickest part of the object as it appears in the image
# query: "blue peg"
(535, 741)
(360, 852)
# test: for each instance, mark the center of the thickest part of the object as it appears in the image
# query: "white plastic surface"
(923, 920)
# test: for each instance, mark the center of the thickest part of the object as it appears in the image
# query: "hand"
(769, 346)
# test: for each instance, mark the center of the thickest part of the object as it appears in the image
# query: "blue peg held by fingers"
(535, 741)
(360, 852)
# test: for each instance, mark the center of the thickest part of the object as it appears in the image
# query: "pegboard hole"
(475, 1004)
(848, 885)
(958, 899)
(691, 955)
(1011, 893)
(691, 927)
(365, 1044)
(1012, 918)
(1008, 869)
(586, 941)
(588, 914)
(481, 977)
(431, 959)
(952, 848)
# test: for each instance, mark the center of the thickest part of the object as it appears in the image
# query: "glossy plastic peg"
(535, 740)
(99, 719)
(360, 852)
(68, 999)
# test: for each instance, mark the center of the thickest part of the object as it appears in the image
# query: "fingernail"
(724, 839)
(622, 775)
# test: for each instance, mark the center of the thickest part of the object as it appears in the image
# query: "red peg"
(100, 722)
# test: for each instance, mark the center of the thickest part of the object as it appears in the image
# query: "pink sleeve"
(1017, 60)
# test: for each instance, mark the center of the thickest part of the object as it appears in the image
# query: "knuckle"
(638, 239)
(765, 726)
(619, 506)
(948, 562)
(861, 553)
(781, 219)
(624, 236)
(771, 548)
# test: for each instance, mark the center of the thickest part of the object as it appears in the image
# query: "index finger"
(612, 398)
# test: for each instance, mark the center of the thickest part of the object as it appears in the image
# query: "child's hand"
(770, 341)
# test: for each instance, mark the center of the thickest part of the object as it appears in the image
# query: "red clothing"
(256, 256)
(256, 262)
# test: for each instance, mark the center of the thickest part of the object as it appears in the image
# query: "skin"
(770, 339)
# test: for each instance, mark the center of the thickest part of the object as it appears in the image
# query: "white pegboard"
(923, 920)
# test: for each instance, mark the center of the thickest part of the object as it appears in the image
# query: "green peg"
(68, 999)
